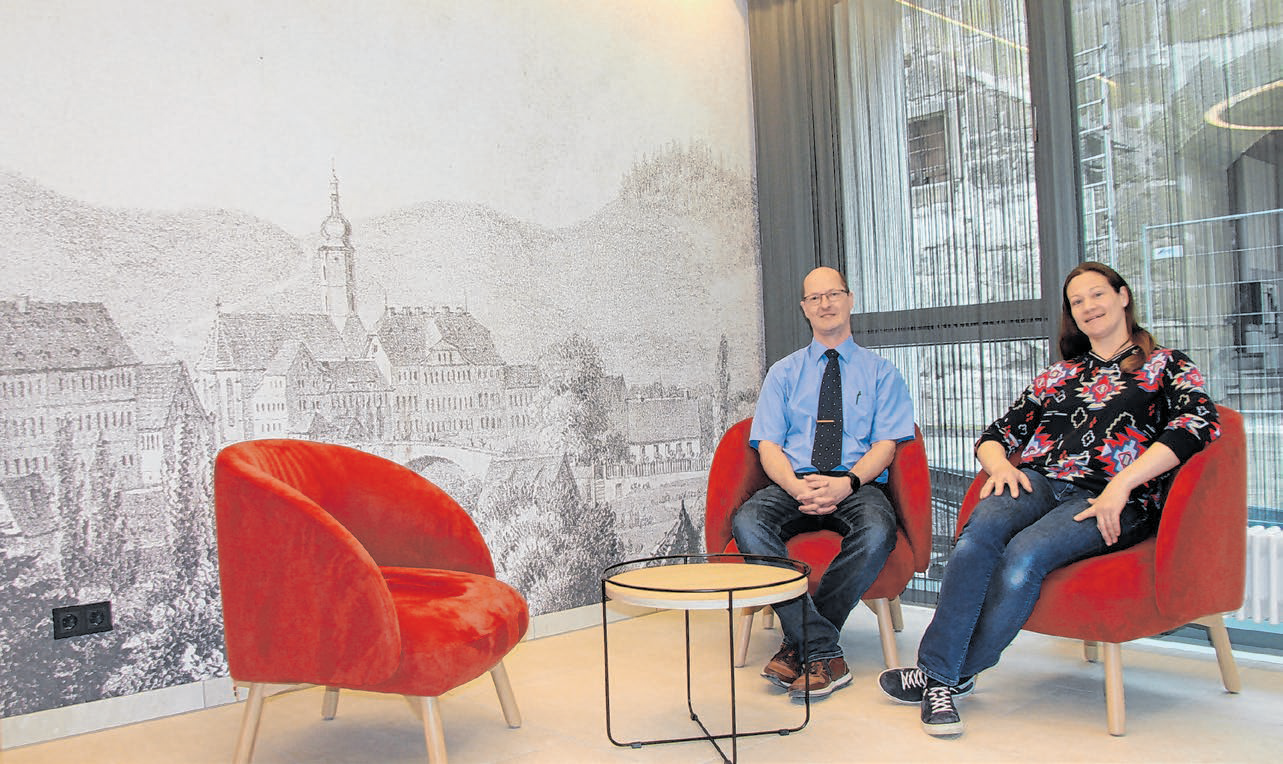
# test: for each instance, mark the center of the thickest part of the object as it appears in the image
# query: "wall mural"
(561, 362)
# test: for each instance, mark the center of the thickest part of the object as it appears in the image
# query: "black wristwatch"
(855, 481)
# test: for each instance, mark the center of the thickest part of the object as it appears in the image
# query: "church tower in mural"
(338, 262)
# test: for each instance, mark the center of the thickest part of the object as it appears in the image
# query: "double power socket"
(76, 620)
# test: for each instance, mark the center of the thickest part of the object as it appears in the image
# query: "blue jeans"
(995, 574)
(867, 524)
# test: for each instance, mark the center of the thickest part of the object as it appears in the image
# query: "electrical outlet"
(68, 621)
(78, 620)
(98, 617)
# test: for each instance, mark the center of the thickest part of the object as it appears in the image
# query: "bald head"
(822, 279)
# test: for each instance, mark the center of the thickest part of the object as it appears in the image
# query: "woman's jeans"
(867, 524)
(995, 574)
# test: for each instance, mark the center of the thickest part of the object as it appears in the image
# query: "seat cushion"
(454, 627)
(1109, 598)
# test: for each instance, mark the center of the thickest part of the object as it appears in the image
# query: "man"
(827, 422)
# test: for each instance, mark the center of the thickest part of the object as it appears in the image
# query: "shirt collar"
(815, 351)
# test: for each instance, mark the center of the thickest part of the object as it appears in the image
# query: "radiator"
(1264, 597)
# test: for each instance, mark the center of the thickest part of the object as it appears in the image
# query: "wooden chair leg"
(745, 632)
(1091, 651)
(1220, 638)
(507, 700)
(886, 630)
(330, 703)
(249, 723)
(433, 735)
(768, 618)
(897, 616)
(1115, 709)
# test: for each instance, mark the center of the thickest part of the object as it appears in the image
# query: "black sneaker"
(905, 685)
(939, 715)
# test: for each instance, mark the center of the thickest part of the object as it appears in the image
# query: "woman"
(1097, 435)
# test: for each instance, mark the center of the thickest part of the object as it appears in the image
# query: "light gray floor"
(1043, 703)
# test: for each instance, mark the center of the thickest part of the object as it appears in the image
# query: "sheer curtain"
(941, 218)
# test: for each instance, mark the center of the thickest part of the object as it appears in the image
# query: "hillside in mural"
(675, 252)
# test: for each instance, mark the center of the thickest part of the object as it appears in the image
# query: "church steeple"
(338, 261)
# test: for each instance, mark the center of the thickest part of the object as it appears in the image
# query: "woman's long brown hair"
(1074, 343)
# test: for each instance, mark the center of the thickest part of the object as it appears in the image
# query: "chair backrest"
(400, 518)
(736, 474)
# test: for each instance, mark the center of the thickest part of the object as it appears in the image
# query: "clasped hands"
(820, 494)
(1106, 508)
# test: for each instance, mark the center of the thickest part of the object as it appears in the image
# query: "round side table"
(703, 582)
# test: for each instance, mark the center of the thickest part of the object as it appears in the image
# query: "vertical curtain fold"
(799, 184)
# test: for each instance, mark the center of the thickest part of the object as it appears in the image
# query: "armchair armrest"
(735, 474)
(909, 483)
(302, 600)
(1202, 536)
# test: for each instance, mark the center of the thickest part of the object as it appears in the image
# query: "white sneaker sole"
(942, 730)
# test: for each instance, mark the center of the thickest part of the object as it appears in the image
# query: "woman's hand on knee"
(1002, 479)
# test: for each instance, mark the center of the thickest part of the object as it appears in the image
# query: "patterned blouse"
(1083, 420)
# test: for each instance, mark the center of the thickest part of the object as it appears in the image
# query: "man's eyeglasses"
(834, 294)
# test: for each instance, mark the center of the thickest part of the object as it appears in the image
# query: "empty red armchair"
(1191, 571)
(343, 569)
(736, 474)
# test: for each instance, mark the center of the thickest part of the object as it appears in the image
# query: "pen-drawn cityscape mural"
(565, 383)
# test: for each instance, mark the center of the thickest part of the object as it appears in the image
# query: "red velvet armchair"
(344, 569)
(736, 474)
(1192, 571)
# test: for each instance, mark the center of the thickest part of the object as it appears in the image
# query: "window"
(1181, 144)
(926, 145)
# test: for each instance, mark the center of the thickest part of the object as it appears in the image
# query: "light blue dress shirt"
(875, 404)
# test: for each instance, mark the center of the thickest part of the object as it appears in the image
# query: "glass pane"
(1180, 111)
(937, 131)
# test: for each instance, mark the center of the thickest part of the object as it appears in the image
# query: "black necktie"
(826, 454)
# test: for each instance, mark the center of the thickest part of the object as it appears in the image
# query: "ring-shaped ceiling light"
(1216, 116)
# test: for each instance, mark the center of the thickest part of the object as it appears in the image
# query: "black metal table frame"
(803, 571)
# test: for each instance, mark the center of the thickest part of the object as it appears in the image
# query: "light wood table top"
(705, 585)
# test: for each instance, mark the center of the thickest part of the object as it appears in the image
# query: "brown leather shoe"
(824, 676)
(785, 667)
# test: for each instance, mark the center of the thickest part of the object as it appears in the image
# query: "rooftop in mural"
(252, 340)
(44, 336)
(358, 374)
(408, 334)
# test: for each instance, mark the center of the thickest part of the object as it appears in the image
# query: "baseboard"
(103, 714)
